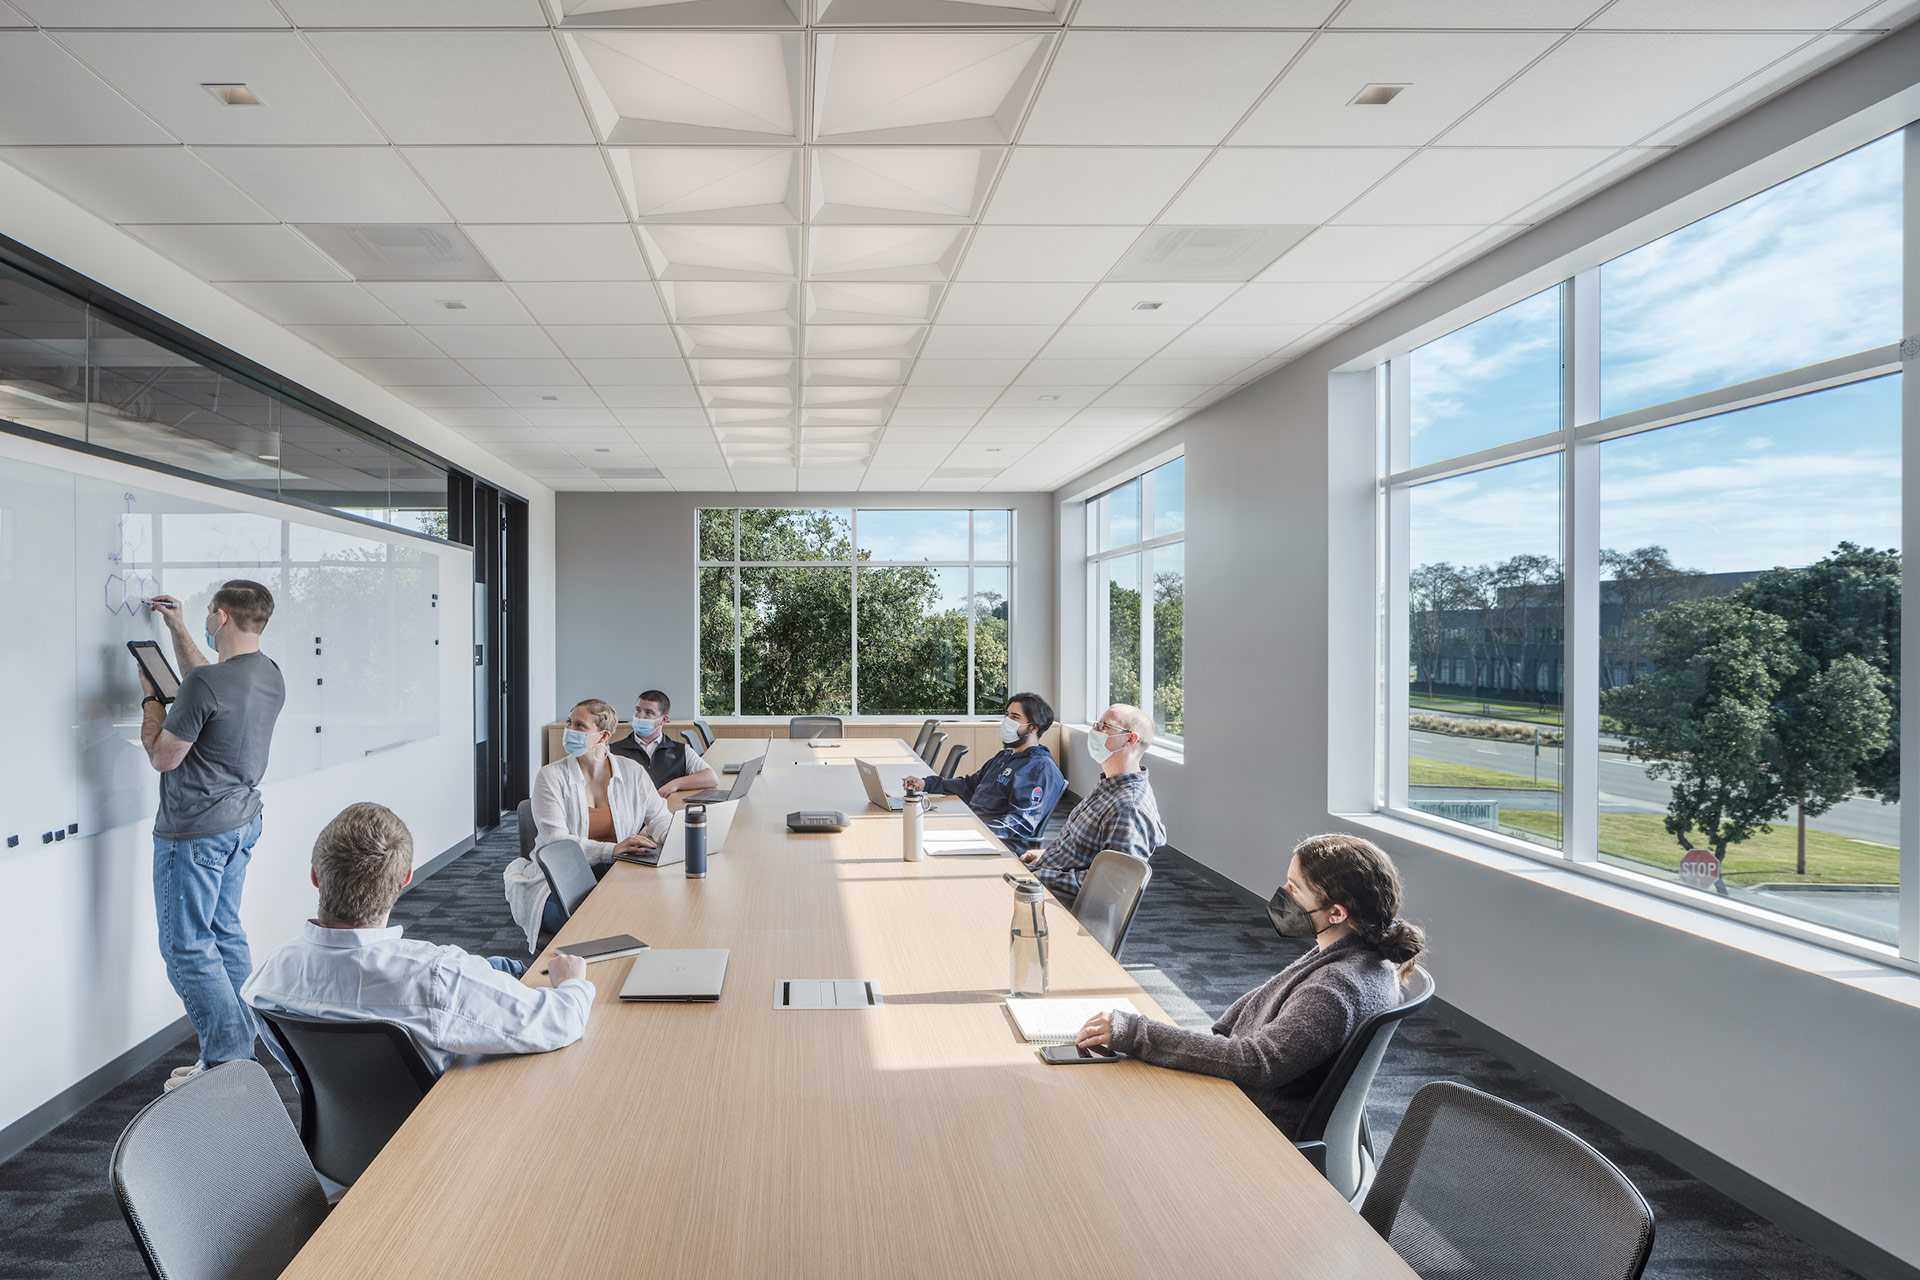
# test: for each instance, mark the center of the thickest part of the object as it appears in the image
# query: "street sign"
(1478, 813)
(1699, 869)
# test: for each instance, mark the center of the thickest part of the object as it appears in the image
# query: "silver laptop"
(687, 976)
(742, 783)
(674, 848)
(877, 793)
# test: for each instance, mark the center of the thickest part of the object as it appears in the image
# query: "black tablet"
(154, 663)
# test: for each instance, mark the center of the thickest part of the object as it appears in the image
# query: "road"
(1624, 785)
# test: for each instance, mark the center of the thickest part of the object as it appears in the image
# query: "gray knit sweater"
(1277, 1041)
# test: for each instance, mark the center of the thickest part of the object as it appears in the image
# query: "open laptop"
(685, 976)
(877, 794)
(735, 768)
(742, 783)
(674, 848)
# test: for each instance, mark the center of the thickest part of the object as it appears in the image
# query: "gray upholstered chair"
(952, 765)
(568, 873)
(1109, 895)
(932, 754)
(529, 829)
(1333, 1133)
(212, 1182)
(359, 1081)
(926, 736)
(705, 731)
(1476, 1186)
(815, 727)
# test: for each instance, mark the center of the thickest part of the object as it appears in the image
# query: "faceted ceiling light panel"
(862, 304)
(710, 184)
(865, 341)
(950, 87)
(680, 13)
(938, 13)
(722, 253)
(685, 87)
(737, 341)
(743, 373)
(902, 184)
(729, 302)
(883, 253)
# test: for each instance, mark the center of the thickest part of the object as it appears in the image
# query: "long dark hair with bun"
(1360, 877)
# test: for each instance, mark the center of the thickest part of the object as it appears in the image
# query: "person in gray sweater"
(1277, 1041)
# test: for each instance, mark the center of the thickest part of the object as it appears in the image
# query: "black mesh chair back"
(1333, 1132)
(568, 873)
(952, 766)
(814, 727)
(1109, 895)
(212, 1181)
(1476, 1187)
(926, 735)
(705, 731)
(932, 754)
(359, 1081)
(529, 829)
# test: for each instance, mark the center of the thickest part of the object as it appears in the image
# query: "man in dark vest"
(673, 766)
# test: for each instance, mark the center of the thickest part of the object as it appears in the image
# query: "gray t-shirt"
(226, 710)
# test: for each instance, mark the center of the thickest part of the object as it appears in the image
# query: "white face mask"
(1097, 746)
(1011, 730)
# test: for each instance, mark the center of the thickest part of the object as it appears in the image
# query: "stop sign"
(1699, 869)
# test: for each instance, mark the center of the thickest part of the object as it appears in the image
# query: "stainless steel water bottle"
(913, 819)
(695, 818)
(1027, 955)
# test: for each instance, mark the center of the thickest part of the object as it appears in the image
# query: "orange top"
(600, 823)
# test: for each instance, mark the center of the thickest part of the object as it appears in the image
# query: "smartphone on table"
(1064, 1055)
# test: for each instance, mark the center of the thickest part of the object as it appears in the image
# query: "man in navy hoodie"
(1014, 791)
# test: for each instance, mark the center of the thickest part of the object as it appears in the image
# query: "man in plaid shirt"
(1120, 814)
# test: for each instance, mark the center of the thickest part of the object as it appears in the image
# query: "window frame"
(1578, 443)
(853, 567)
(1097, 603)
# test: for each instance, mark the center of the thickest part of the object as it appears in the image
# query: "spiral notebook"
(1059, 1021)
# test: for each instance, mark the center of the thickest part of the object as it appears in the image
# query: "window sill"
(1857, 964)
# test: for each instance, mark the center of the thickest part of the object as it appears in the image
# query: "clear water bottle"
(913, 820)
(695, 819)
(1027, 954)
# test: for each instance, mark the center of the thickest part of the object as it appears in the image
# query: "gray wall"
(627, 585)
(1789, 1062)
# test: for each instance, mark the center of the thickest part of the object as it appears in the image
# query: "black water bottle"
(695, 818)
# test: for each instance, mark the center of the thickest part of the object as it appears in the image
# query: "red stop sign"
(1699, 869)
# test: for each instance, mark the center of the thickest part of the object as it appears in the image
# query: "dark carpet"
(1194, 947)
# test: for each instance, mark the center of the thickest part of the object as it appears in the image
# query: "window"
(1136, 568)
(834, 612)
(1659, 639)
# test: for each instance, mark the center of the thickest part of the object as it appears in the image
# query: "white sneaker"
(183, 1075)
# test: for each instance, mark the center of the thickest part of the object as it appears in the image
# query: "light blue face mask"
(574, 742)
(213, 645)
(644, 728)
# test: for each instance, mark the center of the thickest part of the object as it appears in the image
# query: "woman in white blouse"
(605, 802)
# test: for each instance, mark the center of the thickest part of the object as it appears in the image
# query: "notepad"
(946, 844)
(1059, 1021)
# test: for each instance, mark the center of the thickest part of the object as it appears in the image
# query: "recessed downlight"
(1049, 397)
(452, 304)
(234, 95)
(549, 397)
(1376, 95)
(1148, 306)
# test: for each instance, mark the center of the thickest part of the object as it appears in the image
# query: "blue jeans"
(508, 965)
(196, 900)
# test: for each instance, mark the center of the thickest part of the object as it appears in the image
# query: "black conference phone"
(812, 820)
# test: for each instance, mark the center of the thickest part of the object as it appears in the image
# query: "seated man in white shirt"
(349, 965)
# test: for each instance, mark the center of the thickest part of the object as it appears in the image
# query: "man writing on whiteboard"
(210, 749)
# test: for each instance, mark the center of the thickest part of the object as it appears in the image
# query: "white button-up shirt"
(450, 1002)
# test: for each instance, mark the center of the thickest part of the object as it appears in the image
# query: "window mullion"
(1395, 599)
(1909, 728)
(1580, 577)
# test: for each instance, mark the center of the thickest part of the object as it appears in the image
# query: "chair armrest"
(1316, 1154)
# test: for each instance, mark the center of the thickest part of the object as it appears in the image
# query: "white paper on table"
(951, 843)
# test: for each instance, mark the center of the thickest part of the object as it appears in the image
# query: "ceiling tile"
(633, 373)
(1136, 87)
(1280, 184)
(883, 253)
(1026, 424)
(966, 373)
(613, 341)
(941, 395)
(1108, 186)
(469, 421)
(264, 252)
(1037, 254)
(901, 184)
(1148, 396)
(1559, 15)
(520, 184)
(448, 397)
(1173, 371)
(143, 13)
(1203, 13)
(710, 184)
(1446, 74)
(490, 341)
(1470, 186)
(1044, 304)
(391, 340)
(1032, 392)
(683, 396)
(650, 88)
(165, 74)
(1711, 15)
(1178, 304)
(426, 87)
(524, 373)
(431, 302)
(946, 424)
(1051, 375)
(1613, 89)
(1365, 253)
(985, 342)
(740, 252)
(535, 397)
(933, 87)
(585, 302)
(421, 373)
(297, 303)
(1104, 342)
(1225, 341)
(415, 13)
(329, 184)
(1289, 304)
(137, 184)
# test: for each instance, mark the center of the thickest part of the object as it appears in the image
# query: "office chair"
(692, 740)
(568, 873)
(1110, 893)
(1474, 1185)
(529, 829)
(926, 735)
(953, 760)
(359, 1081)
(1333, 1133)
(705, 731)
(814, 727)
(931, 756)
(212, 1181)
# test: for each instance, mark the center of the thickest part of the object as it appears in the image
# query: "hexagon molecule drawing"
(126, 588)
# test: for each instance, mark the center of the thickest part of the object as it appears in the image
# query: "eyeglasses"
(1110, 729)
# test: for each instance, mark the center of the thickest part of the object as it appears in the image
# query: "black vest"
(669, 758)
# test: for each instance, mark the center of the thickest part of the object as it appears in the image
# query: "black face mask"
(1290, 919)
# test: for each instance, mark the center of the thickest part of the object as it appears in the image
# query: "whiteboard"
(356, 630)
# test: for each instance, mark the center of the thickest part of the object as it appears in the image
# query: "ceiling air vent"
(967, 473)
(1205, 253)
(628, 473)
(400, 251)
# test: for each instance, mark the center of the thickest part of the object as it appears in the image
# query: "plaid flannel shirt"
(1120, 814)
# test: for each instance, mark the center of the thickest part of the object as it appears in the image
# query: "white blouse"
(560, 804)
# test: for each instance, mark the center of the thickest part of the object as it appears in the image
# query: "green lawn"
(1441, 704)
(1642, 838)
(1437, 773)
